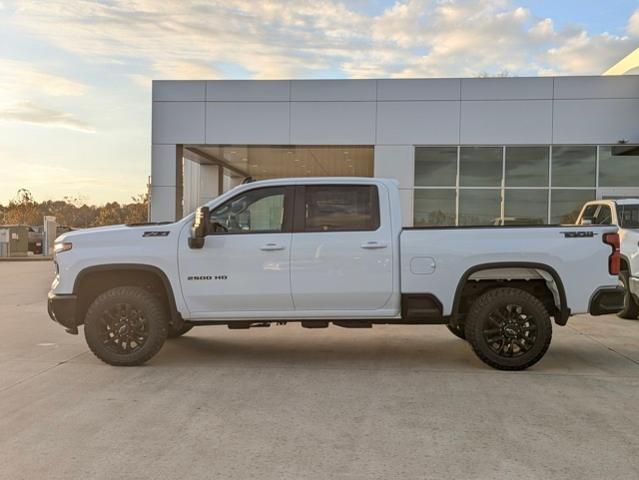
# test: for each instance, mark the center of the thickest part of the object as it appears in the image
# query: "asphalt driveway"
(288, 403)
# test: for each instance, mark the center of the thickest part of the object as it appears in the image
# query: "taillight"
(614, 260)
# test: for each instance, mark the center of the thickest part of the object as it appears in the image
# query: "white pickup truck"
(329, 250)
(623, 213)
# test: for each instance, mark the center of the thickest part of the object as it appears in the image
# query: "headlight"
(62, 247)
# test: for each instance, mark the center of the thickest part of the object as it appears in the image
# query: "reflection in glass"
(479, 207)
(565, 205)
(527, 166)
(526, 207)
(480, 166)
(435, 166)
(434, 207)
(573, 166)
(619, 166)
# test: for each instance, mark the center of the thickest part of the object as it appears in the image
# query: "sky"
(75, 76)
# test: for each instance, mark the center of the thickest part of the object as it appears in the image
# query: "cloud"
(27, 112)
(20, 77)
(309, 38)
(633, 24)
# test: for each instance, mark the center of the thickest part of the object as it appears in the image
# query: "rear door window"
(340, 208)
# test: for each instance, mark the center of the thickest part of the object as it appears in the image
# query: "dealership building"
(479, 151)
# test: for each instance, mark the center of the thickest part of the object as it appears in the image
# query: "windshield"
(628, 216)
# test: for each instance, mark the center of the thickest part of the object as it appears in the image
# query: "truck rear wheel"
(126, 326)
(630, 307)
(509, 329)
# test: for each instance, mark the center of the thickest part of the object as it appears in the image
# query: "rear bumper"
(62, 310)
(606, 300)
(634, 287)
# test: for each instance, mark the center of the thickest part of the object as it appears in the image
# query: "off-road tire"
(178, 332)
(145, 305)
(458, 330)
(630, 307)
(482, 315)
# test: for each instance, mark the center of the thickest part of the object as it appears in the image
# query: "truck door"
(244, 263)
(341, 254)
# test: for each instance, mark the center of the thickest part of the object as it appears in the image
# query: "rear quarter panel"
(580, 262)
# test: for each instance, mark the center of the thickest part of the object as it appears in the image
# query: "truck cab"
(623, 213)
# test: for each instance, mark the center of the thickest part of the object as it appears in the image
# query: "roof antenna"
(247, 180)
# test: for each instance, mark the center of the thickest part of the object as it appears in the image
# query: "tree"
(22, 209)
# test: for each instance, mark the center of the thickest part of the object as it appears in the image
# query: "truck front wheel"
(126, 326)
(509, 329)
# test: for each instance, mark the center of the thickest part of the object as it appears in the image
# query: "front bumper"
(62, 310)
(634, 287)
(606, 300)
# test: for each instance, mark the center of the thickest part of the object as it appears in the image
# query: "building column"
(166, 183)
(398, 162)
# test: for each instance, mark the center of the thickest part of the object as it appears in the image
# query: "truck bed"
(433, 258)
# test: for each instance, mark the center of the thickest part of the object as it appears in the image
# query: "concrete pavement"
(288, 403)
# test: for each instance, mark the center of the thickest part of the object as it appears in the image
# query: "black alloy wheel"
(508, 328)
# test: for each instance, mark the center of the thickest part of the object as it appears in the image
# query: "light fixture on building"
(622, 141)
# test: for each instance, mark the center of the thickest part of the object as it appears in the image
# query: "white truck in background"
(323, 251)
(624, 214)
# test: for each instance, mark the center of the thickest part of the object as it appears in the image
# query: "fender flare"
(564, 311)
(175, 314)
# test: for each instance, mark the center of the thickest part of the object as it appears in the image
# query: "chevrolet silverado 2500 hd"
(329, 250)
(623, 213)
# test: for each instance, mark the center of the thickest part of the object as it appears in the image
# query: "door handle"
(271, 247)
(373, 245)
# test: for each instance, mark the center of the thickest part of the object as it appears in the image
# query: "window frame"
(299, 215)
(287, 221)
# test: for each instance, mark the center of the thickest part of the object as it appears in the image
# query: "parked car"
(329, 251)
(36, 240)
(623, 213)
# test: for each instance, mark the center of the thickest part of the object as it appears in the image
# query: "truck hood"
(119, 234)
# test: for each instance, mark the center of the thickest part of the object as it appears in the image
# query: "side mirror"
(200, 228)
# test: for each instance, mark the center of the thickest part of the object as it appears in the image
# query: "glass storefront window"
(479, 207)
(480, 166)
(619, 166)
(566, 204)
(574, 166)
(435, 166)
(434, 207)
(527, 166)
(526, 207)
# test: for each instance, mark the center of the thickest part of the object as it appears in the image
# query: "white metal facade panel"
(333, 90)
(506, 122)
(178, 122)
(182, 91)
(597, 87)
(247, 123)
(596, 121)
(507, 88)
(162, 204)
(332, 123)
(401, 123)
(248, 90)
(407, 89)
(163, 165)
(395, 161)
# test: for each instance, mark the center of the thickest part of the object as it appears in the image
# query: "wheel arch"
(562, 311)
(93, 280)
